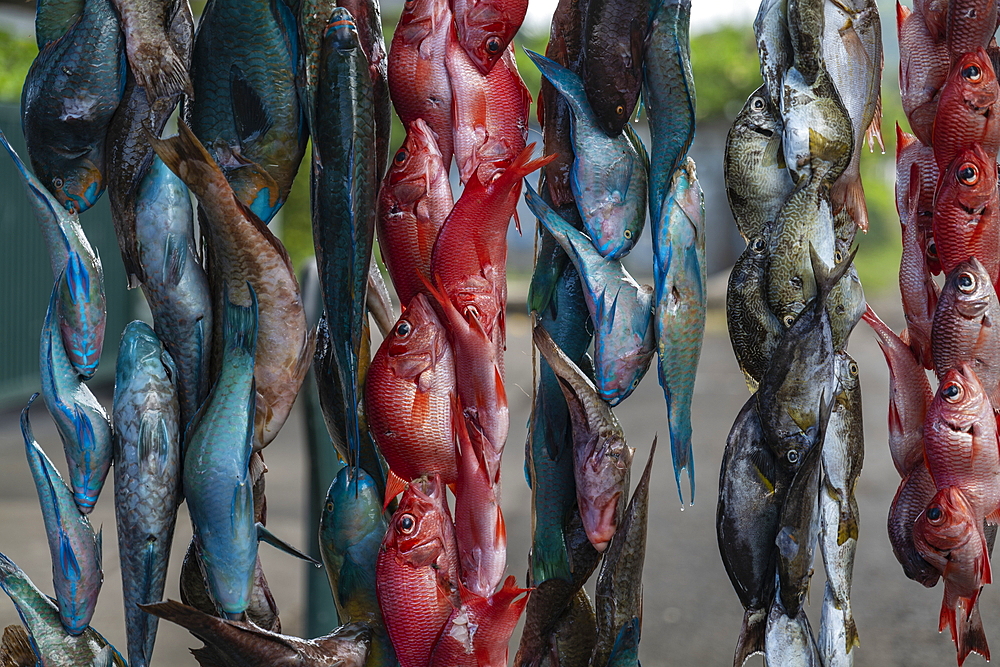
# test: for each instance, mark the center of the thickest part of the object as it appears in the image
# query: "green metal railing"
(26, 277)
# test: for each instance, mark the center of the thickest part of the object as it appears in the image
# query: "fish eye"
(635, 383)
(400, 156)
(972, 73)
(406, 524)
(952, 392)
(792, 456)
(403, 329)
(932, 249)
(493, 44)
(935, 515)
(966, 282)
(853, 368)
(620, 110)
(757, 103)
(57, 183)
(838, 257)
(968, 174)
(758, 244)
(788, 320)
(329, 507)
(628, 234)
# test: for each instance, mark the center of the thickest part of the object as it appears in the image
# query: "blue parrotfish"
(75, 549)
(147, 477)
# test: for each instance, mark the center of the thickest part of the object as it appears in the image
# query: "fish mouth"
(600, 522)
(79, 203)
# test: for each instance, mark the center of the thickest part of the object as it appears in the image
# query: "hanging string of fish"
(591, 207)
(942, 522)
(794, 454)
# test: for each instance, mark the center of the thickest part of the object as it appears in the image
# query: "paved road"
(692, 615)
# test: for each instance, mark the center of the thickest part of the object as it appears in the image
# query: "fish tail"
(826, 278)
(187, 157)
(524, 165)
(967, 632)
(751, 641)
(681, 450)
(163, 76)
(849, 193)
(240, 326)
(16, 647)
(851, 638)
(874, 131)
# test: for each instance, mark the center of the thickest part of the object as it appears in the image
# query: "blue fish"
(147, 477)
(621, 309)
(82, 304)
(175, 284)
(75, 549)
(82, 423)
(609, 176)
(681, 302)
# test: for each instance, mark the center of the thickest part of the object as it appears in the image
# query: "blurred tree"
(726, 70)
(16, 55)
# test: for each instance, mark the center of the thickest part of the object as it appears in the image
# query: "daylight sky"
(705, 14)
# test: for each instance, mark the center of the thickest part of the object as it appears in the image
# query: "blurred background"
(691, 615)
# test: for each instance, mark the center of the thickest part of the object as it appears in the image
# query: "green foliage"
(726, 70)
(16, 56)
(296, 220)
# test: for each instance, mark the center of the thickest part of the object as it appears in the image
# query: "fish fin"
(249, 111)
(174, 259)
(903, 139)
(77, 278)
(68, 563)
(851, 639)
(163, 74)
(850, 194)
(971, 635)
(626, 642)
(264, 535)
(154, 444)
(828, 150)
(16, 648)
(187, 157)
(826, 279)
(874, 131)
(618, 177)
(567, 83)
(524, 165)
(240, 327)
(637, 144)
(394, 486)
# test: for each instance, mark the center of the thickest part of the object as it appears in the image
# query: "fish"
(919, 291)
(754, 330)
(964, 114)
(416, 572)
(82, 422)
(489, 113)
(852, 54)
(910, 151)
(757, 182)
(618, 597)
(971, 24)
(418, 74)
(801, 373)
(480, 530)
(410, 382)
(485, 28)
(620, 308)
(790, 639)
(614, 47)
(82, 308)
(243, 73)
(351, 529)
(469, 258)
(16, 649)
(962, 330)
(243, 252)
(413, 203)
(70, 94)
(967, 213)
(478, 632)
(960, 441)
(175, 284)
(345, 185)
(924, 64)
(216, 470)
(909, 396)
(681, 303)
(39, 613)
(148, 464)
(842, 458)
(602, 460)
(157, 67)
(609, 178)
(378, 301)
(572, 641)
(667, 94)
(752, 489)
(247, 645)
(949, 536)
(774, 45)
(846, 302)
(912, 498)
(75, 549)
(54, 19)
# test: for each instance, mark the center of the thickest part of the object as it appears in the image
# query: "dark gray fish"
(754, 330)
(790, 639)
(774, 45)
(912, 498)
(572, 639)
(614, 34)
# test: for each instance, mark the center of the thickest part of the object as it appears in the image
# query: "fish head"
(352, 510)
(256, 189)
(848, 379)
(969, 290)
(602, 486)
(973, 75)
(417, 342)
(416, 165)
(341, 31)
(486, 28)
(74, 179)
(417, 21)
(948, 536)
(970, 181)
(961, 401)
(141, 351)
(421, 531)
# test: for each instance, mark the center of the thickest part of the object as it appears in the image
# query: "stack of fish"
(794, 454)
(591, 212)
(944, 442)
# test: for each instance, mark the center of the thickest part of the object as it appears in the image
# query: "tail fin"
(966, 630)
(849, 193)
(15, 648)
(239, 330)
(524, 165)
(826, 279)
(187, 157)
(751, 641)
(162, 77)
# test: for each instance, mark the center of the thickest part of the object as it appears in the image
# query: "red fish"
(917, 287)
(413, 203)
(960, 441)
(935, 14)
(416, 572)
(971, 24)
(949, 536)
(486, 27)
(478, 633)
(489, 113)
(965, 114)
(418, 79)
(910, 151)
(470, 256)
(967, 212)
(923, 70)
(909, 397)
(479, 526)
(408, 397)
